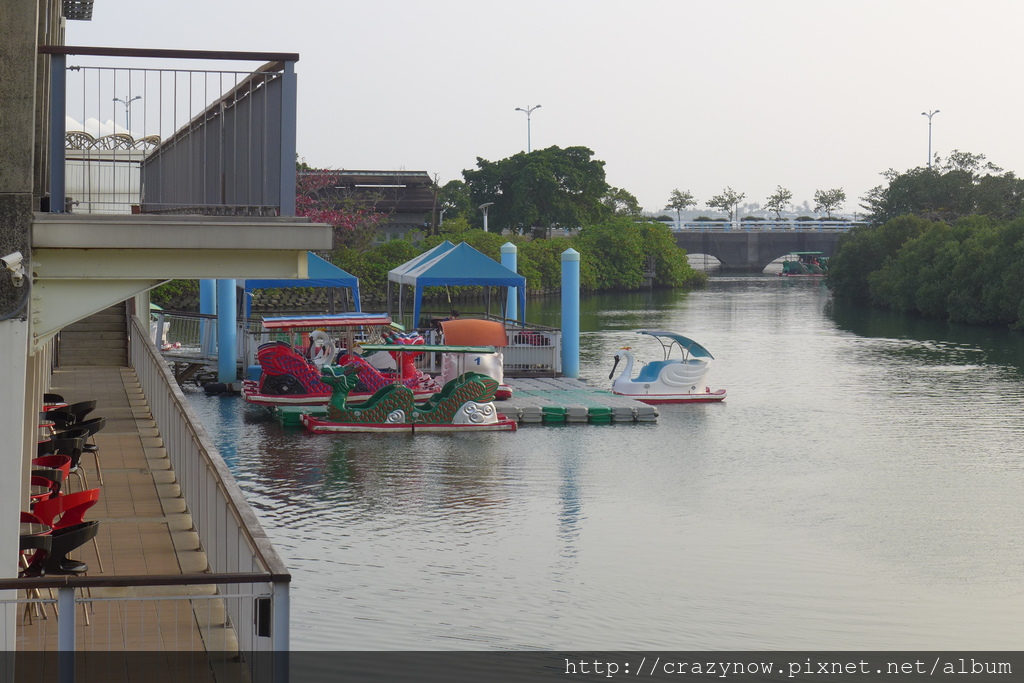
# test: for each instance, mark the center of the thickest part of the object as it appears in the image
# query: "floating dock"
(554, 400)
(541, 400)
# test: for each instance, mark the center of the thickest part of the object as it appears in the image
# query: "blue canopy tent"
(456, 265)
(322, 273)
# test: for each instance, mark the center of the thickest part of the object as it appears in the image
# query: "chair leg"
(99, 559)
(96, 455)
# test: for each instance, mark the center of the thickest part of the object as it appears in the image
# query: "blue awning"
(322, 273)
(456, 265)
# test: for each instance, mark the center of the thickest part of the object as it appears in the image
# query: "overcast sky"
(752, 94)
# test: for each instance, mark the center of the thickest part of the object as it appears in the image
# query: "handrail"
(71, 581)
(167, 53)
(225, 481)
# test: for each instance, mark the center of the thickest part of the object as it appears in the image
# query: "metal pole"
(528, 111)
(930, 114)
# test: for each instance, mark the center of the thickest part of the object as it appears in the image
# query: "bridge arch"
(751, 250)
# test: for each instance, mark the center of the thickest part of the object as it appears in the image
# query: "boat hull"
(325, 426)
(251, 393)
(658, 399)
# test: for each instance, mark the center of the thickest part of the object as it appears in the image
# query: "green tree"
(454, 200)
(619, 202)
(727, 201)
(679, 202)
(778, 201)
(829, 200)
(539, 189)
(960, 185)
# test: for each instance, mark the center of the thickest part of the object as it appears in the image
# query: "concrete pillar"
(18, 63)
(207, 306)
(510, 259)
(227, 332)
(571, 313)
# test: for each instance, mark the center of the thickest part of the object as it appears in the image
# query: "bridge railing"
(768, 226)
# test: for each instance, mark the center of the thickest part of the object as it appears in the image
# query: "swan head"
(623, 352)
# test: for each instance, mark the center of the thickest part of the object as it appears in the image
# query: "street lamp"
(930, 114)
(127, 110)
(528, 111)
(484, 207)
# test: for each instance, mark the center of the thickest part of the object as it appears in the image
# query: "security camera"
(12, 261)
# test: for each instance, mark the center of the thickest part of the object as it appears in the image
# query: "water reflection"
(853, 492)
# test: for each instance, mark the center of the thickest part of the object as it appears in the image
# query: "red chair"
(67, 511)
(44, 489)
(72, 448)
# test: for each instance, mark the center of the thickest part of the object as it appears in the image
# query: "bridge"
(750, 246)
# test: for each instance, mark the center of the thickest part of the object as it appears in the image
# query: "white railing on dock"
(767, 226)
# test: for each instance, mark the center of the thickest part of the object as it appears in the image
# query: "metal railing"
(758, 226)
(227, 527)
(171, 139)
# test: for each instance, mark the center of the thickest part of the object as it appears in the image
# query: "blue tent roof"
(322, 273)
(459, 265)
(456, 265)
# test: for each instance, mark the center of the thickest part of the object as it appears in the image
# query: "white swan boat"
(671, 379)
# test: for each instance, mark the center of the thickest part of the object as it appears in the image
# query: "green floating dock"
(545, 400)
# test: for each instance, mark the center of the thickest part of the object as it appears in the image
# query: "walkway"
(144, 526)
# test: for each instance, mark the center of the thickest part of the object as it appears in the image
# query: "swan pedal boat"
(464, 404)
(669, 380)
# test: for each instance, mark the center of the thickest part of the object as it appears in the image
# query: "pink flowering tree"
(355, 219)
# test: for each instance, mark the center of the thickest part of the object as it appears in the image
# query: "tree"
(542, 188)
(727, 201)
(619, 202)
(455, 202)
(779, 201)
(355, 222)
(961, 185)
(827, 200)
(679, 202)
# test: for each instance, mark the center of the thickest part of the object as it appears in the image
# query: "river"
(859, 489)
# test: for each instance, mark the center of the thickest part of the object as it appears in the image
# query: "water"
(859, 489)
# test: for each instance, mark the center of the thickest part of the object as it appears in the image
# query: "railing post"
(58, 106)
(289, 128)
(281, 630)
(66, 635)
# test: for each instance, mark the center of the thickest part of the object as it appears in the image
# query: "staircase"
(99, 340)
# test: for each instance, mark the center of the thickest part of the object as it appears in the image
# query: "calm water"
(859, 489)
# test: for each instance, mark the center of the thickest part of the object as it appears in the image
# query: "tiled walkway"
(144, 526)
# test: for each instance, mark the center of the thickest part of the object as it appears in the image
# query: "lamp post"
(528, 111)
(484, 207)
(127, 110)
(930, 114)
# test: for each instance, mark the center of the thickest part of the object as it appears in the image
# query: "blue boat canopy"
(322, 273)
(687, 344)
(455, 265)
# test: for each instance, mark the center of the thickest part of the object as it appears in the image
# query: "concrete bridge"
(750, 247)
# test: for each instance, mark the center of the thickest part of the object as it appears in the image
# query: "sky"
(671, 94)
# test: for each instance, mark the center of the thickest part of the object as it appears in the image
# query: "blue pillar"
(207, 306)
(510, 259)
(227, 345)
(571, 313)
(58, 118)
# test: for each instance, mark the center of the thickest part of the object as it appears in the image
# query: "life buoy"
(321, 348)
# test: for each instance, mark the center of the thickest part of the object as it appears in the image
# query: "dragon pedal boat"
(463, 404)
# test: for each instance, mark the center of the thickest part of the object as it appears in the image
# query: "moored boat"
(289, 376)
(465, 403)
(805, 263)
(668, 380)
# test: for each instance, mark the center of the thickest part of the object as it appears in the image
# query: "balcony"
(165, 164)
